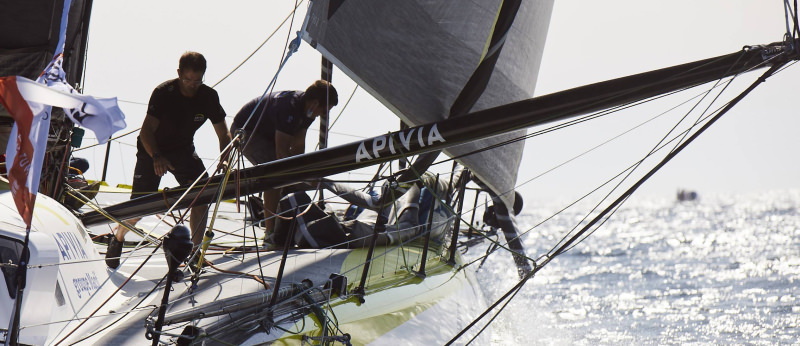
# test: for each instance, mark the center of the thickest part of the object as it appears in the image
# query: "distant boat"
(686, 195)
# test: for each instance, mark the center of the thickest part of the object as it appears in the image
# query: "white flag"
(30, 104)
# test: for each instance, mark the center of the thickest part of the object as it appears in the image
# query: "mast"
(477, 125)
(326, 74)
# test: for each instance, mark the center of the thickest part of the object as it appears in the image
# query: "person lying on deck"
(405, 206)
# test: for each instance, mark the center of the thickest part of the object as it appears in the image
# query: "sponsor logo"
(199, 117)
(86, 285)
(70, 247)
(79, 114)
(371, 148)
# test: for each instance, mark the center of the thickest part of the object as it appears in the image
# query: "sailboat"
(415, 289)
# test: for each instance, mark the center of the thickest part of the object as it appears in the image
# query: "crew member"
(275, 127)
(177, 108)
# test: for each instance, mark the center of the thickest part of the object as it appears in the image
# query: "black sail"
(416, 57)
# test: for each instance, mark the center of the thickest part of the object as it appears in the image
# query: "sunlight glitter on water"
(723, 270)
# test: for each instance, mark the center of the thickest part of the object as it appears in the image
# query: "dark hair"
(323, 92)
(192, 61)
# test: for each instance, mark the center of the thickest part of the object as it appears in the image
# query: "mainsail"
(416, 56)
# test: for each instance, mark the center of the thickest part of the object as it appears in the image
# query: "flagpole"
(22, 270)
(105, 164)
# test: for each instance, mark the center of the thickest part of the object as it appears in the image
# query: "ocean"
(723, 270)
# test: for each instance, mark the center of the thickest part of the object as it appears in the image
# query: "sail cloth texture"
(416, 56)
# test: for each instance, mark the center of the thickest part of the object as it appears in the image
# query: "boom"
(450, 132)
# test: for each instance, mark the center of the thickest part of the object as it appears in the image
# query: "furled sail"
(29, 33)
(416, 56)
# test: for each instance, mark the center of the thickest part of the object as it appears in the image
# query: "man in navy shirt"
(177, 108)
(275, 127)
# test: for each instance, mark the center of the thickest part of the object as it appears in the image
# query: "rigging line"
(85, 58)
(752, 68)
(604, 220)
(584, 196)
(502, 298)
(595, 115)
(291, 14)
(491, 320)
(705, 111)
(601, 186)
(615, 177)
(572, 122)
(787, 9)
(110, 296)
(133, 309)
(702, 116)
(599, 114)
(785, 67)
(289, 34)
(258, 252)
(340, 112)
(87, 201)
(637, 165)
(602, 144)
(186, 191)
(554, 128)
(685, 133)
(133, 102)
(671, 78)
(292, 48)
(518, 288)
(672, 154)
(387, 249)
(344, 107)
(343, 134)
(791, 15)
(107, 314)
(615, 207)
(418, 178)
(796, 26)
(111, 139)
(327, 200)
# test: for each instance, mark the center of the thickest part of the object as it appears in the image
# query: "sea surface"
(723, 270)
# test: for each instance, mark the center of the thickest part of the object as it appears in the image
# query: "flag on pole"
(31, 124)
(30, 105)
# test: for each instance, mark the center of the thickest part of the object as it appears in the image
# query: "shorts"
(257, 149)
(188, 166)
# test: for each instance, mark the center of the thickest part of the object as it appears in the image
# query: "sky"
(134, 46)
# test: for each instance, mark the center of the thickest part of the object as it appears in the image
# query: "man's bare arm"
(148, 136)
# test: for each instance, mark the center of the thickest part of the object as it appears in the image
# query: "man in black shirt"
(275, 127)
(177, 108)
